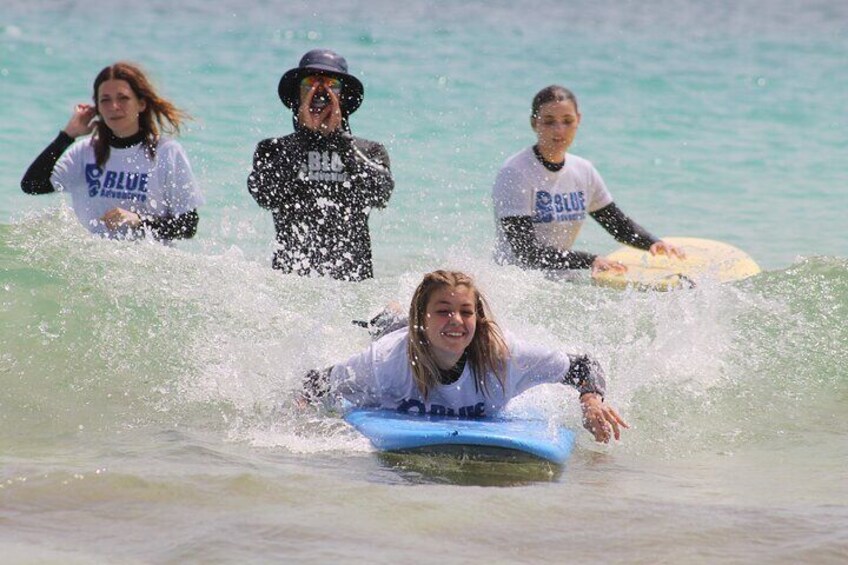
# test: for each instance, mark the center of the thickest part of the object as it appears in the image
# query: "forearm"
(531, 254)
(266, 189)
(622, 228)
(379, 186)
(182, 226)
(316, 384)
(275, 170)
(372, 172)
(36, 180)
(586, 374)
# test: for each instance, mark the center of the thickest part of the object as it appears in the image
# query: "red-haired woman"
(125, 180)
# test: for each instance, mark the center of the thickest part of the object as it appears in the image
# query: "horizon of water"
(146, 391)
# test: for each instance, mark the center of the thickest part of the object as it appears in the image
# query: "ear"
(143, 102)
(533, 123)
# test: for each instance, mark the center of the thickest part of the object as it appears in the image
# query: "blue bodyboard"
(396, 432)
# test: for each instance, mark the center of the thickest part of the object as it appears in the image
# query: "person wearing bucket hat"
(321, 182)
(321, 62)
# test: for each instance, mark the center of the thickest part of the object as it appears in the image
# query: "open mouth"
(453, 334)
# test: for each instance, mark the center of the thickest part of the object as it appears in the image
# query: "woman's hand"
(601, 264)
(117, 217)
(668, 249)
(81, 120)
(601, 419)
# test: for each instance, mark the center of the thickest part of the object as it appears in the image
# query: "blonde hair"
(488, 351)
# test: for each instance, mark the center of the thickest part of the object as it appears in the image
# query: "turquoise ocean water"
(145, 410)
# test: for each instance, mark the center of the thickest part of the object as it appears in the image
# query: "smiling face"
(119, 107)
(555, 125)
(450, 323)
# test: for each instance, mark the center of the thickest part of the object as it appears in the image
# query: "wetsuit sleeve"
(372, 172)
(530, 254)
(275, 170)
(585, 374)
(622, 228)
(181, 226)
(316, 384)
(353, 380)
(37, 177)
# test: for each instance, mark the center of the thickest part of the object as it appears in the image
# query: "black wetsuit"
(321, 190)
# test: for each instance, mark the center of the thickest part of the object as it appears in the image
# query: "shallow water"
(146, 391)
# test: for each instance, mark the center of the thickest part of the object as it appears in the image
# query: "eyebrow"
(445, 302)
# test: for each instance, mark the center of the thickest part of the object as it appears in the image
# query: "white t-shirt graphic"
(381, 377)
(129, 180)
(557, 201)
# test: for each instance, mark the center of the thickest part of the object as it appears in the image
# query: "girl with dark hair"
(452, 359)
(543, 194)
(125, 179)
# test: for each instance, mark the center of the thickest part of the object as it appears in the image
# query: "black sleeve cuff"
(526, 248)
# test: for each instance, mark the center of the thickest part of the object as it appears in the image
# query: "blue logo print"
(92, 177)
(568, 207)
(409, 405)
(116, 184)
(544, 208)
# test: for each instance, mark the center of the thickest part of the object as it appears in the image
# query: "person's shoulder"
(577, 161)
(168, 144)
(584, 169)
(523, 350)
(81, 143)
(169, 149)
(277, 143)
(526, 351)
(277, 140)
(81, 148)
(394, 339)
(520, 159)
(363, 143)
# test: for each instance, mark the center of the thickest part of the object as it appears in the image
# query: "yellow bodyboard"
(705, 260)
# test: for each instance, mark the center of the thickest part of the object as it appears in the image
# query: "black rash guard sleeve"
(182, 226)
(37, 177)
(622, 228)
(316, 384)
(586, 374)
(276, 164)
(371, 170)
(530, 254)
